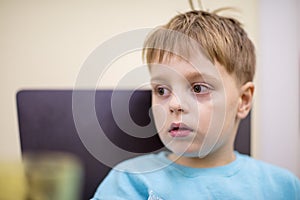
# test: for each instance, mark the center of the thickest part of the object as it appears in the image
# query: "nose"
(176, 106)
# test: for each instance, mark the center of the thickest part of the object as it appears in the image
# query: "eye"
(162, 91)
(201, 89)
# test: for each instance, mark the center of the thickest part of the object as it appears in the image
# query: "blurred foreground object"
(12, 181)
(41, 176)
(53, 176)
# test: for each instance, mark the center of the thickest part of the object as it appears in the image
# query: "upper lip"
(179, 126)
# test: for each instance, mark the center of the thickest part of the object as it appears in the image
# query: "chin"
(192, 151)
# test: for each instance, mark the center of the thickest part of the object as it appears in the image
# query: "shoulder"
(272, 176)
(267, 168)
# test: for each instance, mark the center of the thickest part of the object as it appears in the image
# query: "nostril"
(176, 110)
(180, 110)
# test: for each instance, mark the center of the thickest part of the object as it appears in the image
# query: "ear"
(245, 100)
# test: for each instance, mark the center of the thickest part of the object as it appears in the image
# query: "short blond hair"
(222, 39)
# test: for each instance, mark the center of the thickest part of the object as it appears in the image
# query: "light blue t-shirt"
(155, 177)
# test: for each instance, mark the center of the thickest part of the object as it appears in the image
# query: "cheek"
(223, 116)
(212, 117)
(231, 113)
(203, 116)
(159, 114)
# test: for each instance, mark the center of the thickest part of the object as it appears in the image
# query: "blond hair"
(222, 39)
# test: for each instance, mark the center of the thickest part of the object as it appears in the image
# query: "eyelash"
(204, 88)
(159, 89)
(165, 91)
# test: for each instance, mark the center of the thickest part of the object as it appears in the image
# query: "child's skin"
(205, 104)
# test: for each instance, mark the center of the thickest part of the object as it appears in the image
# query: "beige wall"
(277, 102)
(43, 44)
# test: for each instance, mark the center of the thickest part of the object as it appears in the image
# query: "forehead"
(189, 69)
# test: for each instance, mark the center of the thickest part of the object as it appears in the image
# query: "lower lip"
(180, 133)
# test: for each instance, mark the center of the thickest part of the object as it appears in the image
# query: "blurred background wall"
(277, 106)
(43, 45)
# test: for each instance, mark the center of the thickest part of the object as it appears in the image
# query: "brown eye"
(201, 89)
(161, 91)
(197, 88)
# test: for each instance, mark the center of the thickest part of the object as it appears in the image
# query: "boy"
(201, 66)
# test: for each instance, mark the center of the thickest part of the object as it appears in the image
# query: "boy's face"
(195, 109)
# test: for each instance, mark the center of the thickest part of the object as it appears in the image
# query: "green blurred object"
(12, 181)
(53, 176)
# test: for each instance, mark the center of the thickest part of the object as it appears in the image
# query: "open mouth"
(179, 130)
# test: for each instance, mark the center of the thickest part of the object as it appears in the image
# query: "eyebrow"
(197, 75)
(191, 76)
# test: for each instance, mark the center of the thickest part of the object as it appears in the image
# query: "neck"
(215, 159)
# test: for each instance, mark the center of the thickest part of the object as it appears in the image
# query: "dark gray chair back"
(46, 123)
